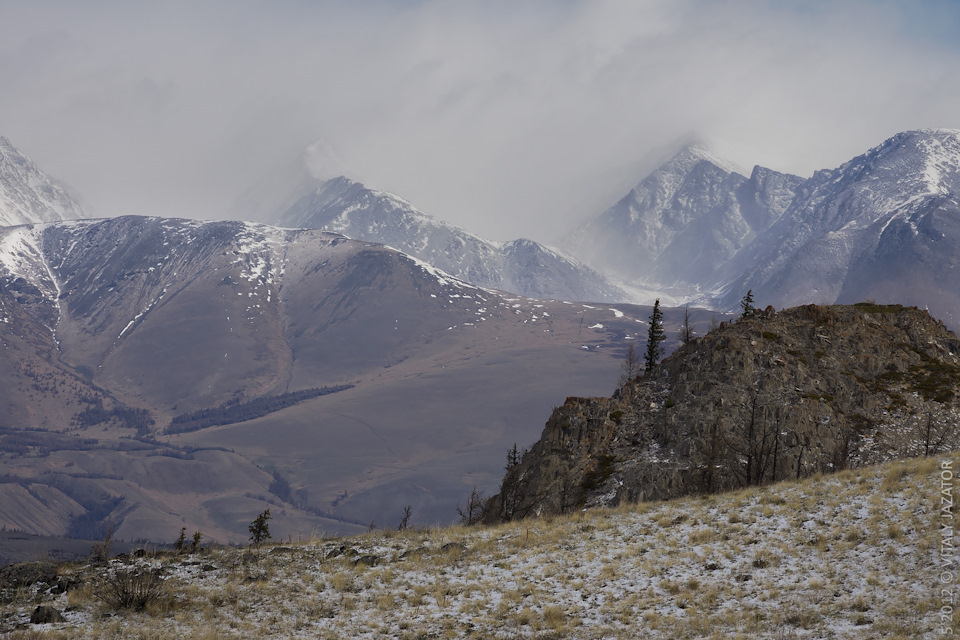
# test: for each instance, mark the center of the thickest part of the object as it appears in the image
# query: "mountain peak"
(348, 207)
(28, 195)
(695, 151)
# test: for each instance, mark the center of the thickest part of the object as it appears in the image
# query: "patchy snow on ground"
(859, 554)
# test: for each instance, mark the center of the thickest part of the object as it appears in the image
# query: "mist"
(509, 119)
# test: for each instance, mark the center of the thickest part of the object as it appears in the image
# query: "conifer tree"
(655, 338)
(259, 529)
(747, 304)
(686, 332)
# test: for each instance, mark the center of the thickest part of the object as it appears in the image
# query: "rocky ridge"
(772, 396)
(522, 266)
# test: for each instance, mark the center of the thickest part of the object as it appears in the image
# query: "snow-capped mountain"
(345, 206)
(117, 332)
(883, 225)
(683, 222)
(28, 195)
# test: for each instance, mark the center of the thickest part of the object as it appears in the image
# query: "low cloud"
(507, 118)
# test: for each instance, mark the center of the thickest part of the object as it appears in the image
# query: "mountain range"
(522, 266)
(882, 225)
(160, 373)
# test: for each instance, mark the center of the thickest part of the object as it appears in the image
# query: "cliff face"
(775, 396)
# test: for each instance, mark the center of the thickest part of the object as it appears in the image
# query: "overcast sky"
(508, 118)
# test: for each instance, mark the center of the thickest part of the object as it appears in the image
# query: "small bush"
(134, 589)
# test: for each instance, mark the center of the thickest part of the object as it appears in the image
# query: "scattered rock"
(281, 550)
(45, 615)
(342, 550)
(412, 553)
(369, 561)
(453, 547)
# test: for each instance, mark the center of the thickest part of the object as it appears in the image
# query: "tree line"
(236, 410)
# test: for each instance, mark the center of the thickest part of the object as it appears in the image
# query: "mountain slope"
(684, 221)
(776, 396)
(344, 206)
(881, 225)
(349, 377)
(28, 195)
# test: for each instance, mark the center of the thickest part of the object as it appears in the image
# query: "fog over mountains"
(882, 225)
(362, 355)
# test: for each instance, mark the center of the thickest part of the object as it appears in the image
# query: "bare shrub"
(100, 551)
(134, 589)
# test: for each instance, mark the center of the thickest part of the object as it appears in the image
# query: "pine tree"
(747, 304)
(259, 529)
(686, 327)
(513, 457)
(655, 338)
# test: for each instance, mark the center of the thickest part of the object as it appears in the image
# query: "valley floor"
(854, 555)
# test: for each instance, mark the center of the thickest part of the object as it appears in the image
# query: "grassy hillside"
(852, 555)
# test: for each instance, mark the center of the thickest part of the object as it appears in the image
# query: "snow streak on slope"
(20, 256)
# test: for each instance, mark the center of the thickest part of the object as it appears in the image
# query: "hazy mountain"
(878, 226)
(148, 367)
(28, 195)
(684, 221)
(345, 206)
(882, 225)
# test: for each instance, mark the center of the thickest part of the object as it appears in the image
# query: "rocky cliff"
(773, 396)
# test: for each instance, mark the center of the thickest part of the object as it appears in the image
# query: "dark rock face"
(771, 397)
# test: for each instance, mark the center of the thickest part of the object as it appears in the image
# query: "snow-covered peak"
(28, 195)
(348, 207)
(892, 180)
(694, 153)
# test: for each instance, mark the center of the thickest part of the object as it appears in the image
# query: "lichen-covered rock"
(769, 397)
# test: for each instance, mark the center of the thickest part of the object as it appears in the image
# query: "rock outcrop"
(770, 397)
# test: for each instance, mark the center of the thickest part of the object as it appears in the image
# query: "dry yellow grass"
(849, 556)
